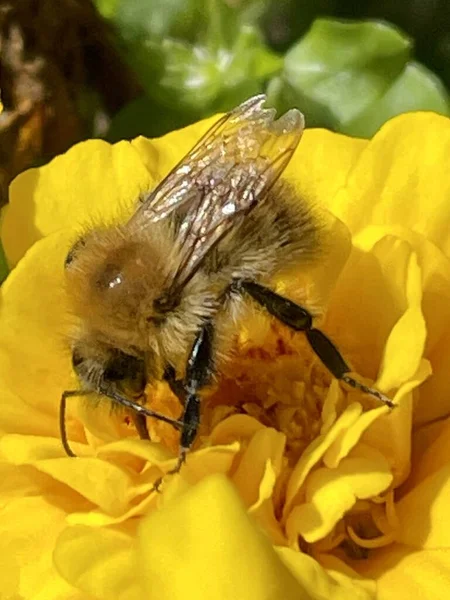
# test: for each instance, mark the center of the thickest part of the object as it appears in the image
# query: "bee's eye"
(72, 254)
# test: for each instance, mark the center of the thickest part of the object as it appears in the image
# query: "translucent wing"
(222, 178)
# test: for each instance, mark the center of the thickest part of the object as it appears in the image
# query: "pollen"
(280, 383)
(162, 400)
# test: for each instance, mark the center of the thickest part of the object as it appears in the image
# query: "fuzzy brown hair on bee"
(162, 295)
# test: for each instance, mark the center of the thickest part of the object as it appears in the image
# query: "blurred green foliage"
(351, 77)
(194, 58)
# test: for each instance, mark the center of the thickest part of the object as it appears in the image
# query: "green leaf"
(179, 75)
(107, 8)
(222, 26)
(192, 57)
(283, 96)
(352, 76)
(4, 269)
(343, 67)
(144, 117)
(135, 19)
(417, 88)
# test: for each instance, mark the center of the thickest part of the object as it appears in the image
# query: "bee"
(161, 296)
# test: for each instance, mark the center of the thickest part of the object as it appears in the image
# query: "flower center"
(281, 383)
(278, 380)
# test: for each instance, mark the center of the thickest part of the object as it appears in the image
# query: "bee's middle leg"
(140, 423)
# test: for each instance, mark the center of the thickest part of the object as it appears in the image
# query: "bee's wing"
(222, 178)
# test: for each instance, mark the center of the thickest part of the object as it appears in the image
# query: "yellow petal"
(329, 583)
(424, 513)
(391, 434)
(399, 178)
(435, 306)
(402, 573)
(34, 307)
(315, 451)
(194, 549)
(29, 527)
(406, 343)
(86, 476)
(160, 155)
(92, 180)
(266, 444)
(263, 509)
(330, 493)
(255, 476)
(430, 451)
(98, 562)
(241, 427)
(351, 436)
(322, 163)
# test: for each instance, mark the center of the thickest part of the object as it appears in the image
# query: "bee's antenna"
(117, 399)
(62, 418)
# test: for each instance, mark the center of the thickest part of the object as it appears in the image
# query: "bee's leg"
(199, 369)
(299, 319)
(176, 385)
(140, 422)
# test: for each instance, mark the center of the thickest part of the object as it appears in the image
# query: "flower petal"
(322, 163)
(26, 546)
(351, 436)
(387, 242)
(391, 434)
(34, 307)
(424, 513)
(430, 451)
(91, 181)
(160, 155)
(315, 451)
(329, 583)
(266, 444)
(330, 493)
(406, 343)
(401, 573)
(193, 548)
(98, 562)
(397, 173)
(255, 476)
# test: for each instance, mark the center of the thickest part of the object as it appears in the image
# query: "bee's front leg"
(199, 369)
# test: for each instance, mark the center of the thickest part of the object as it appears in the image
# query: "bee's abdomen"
(279, 232)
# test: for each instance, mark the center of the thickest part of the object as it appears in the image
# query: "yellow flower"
(298, 488)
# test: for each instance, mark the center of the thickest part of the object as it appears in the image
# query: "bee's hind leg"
(199, 369)
(299, 319)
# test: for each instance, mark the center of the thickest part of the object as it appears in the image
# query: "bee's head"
(113, 279)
